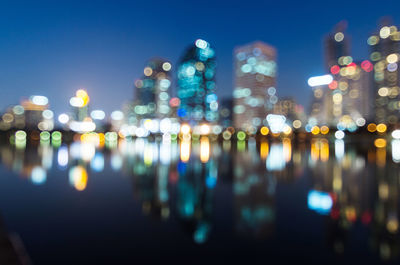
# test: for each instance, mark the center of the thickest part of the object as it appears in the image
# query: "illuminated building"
(196, 84)
(152, 90)
(343, 101)
(255, 77)
(385, 55)
(31, 114)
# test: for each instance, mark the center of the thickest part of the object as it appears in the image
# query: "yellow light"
(380, 143)
(83, 95)
(264, 130)
(205, 129)
(384, 32)
(315, 130)
(148, 71)
(264, 149)
(185, 150)
(392, 58)
(324, 129)
(79, 177)
(185, 129)
(371, 127)
(287, 130)
(383, 91)
(324, 152)
(381, 128)
(204, 149)
(296, 124)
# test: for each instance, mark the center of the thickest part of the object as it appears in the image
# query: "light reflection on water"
(347, 185)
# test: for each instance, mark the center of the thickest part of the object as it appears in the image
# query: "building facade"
(196, 84)
(254, 94)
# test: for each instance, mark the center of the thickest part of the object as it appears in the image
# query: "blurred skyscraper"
(336, 45)
(152, 90)
(196, 84)
(385, 50)
(255, 78)
(345, 102)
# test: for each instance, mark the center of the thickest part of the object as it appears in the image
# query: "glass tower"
(254, 95)
(196, 84)
(152, 91)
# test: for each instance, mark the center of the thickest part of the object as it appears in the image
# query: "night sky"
(55, 48)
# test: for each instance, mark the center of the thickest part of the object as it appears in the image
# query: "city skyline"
(97, 68)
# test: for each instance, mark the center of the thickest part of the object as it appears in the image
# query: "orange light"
(371, 127)
(380, 143)
(324, 129)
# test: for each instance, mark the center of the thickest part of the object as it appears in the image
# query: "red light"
(335, 213)
(367, 66)
(351, 64)
(333, 84)
(366, 218)
(174, 102)
(335, 69)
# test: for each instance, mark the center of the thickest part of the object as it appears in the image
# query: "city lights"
(320, 80)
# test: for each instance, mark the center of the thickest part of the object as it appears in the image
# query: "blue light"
(319, 201)
(181, 112)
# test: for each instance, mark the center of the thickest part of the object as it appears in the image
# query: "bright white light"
(38, 175)
(276, 122)
(76, 102)
(202, 44)
(63, 118)
(39, 100)
(396, 134)
(82, 126)
(165, 125)
(62, 156)
(339, 149)
(360, 122)
(117, 115)
(98, 115)
(396, 151)
(48, 114)
(320, 80)
(276, 158)
(339, 135)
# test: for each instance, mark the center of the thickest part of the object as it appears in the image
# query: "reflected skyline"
(344, 187)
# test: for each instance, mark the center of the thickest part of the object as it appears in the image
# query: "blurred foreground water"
(152, 201)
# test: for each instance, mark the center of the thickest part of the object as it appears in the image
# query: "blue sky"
(54, 48)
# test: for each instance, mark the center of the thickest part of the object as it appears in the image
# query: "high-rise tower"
(255, 78)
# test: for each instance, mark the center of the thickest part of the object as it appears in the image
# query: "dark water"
(142, 202)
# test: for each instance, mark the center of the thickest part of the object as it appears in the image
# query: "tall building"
(255, 78)
(385, 52)
(345, 102)
(337, 45)
(196, 84)
(152, 90)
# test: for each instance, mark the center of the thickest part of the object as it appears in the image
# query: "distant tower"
(385, 56)
(196, 84)
(337, 45)
(152, 90)
(347, 99)
(255, 78)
